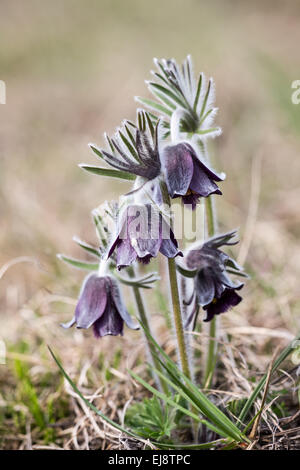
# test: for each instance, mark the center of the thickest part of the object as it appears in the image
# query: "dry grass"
(71, 73)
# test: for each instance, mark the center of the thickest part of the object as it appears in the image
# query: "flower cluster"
(164, 155)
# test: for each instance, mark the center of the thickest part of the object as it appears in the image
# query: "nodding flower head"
(100, 305)
(214, 290)
(134, 148)
(142, 232)
(186, 175)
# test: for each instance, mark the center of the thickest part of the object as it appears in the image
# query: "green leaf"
(100, 228)
(207, 445)
(97, 170)
(237, 273)
(210, 411)
(208, 131)
(79, 264)
(248, 405)
(165, 398)
(205, 116)
(89, 404)
(205, 99)
(221, 424)
(87, 247)
(129, 146)
(104, 417)
(198, 92)
(186, 272)
(156, 88)
(183, 391)
(140, 282)
(96, 150)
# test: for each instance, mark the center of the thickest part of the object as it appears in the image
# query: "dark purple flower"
(142, 233)
(214, 290)
(186, 175)
(100, 305)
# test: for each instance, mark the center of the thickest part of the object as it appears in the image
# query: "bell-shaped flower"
(214, 289)
(101, 306)
(142, 233)
(186, 175)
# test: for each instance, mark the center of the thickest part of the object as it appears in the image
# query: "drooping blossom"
(214, 289)
(142, 233)
(186, 175)
(101, 306)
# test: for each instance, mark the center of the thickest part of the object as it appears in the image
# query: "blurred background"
(71, 70)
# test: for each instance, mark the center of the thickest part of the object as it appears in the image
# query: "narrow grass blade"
(90, 405)
(208, 409)
(181, 390)
(165, 398)
(248, 405)
(207, 445)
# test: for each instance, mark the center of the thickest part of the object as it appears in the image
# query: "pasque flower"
(142, 233)
(186, 175)
(214, 290)
(100, 305)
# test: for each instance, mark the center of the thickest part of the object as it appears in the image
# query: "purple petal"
(205, 287)
(149, 238)
(228, 300)
(92, 301)
(145, 260)
(120, 306)
(224, 278)
(202, 183)
(146, 247)
(113, 246)
(179, 167)
(191, 199)
(219, 288)
(126, 254)
(156, 193)
(169, 245)
(169, 249)
(109, 324)
(210, 173)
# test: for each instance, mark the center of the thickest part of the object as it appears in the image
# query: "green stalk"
(212, 350)
(144, 320)
(180, 336)
(182, 350)
(178, 319)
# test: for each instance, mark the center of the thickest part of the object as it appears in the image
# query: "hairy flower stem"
(144, 320)
(212, 351)
(178, 319)
(177, 315)
(211, 225)
(181, 343)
